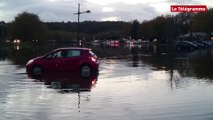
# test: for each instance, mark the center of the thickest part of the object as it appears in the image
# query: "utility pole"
(2, 30)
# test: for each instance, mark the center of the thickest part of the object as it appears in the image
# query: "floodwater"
(132, 84)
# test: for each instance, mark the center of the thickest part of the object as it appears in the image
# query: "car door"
(73, 60)
(64, 60)
(61, 60)
(56, 61)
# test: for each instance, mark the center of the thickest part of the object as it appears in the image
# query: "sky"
(101, 10)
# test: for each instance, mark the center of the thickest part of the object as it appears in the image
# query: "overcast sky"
(63, 10)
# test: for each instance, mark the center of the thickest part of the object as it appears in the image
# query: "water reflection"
(17, 47)
(4, 53)
(67, 82)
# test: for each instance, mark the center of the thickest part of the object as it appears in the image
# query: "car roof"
(73, 48)
(69, 48)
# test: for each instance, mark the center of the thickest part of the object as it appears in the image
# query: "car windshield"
(57, 54)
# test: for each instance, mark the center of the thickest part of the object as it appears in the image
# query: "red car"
(81, 60)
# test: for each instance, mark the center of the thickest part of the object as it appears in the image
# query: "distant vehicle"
(16, 41)
(199, 44)
(185, 46)
(81, 60)
(207, 43)
(145, 42)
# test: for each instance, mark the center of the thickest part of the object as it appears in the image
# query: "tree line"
(164, 28)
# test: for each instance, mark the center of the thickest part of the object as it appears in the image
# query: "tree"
(135, 29)
(203, 22)
(162, 28)
(2, 30)
(27, 27)
(184, 21)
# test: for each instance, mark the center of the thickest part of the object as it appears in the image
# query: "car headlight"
(29, 62)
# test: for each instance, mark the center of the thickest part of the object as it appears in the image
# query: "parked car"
(185, 46)
(81, 60)
(207, 43)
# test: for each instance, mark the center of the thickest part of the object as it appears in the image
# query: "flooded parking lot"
(131, 85)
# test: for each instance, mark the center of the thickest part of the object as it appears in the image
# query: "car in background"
(80, 60)
(185, 46)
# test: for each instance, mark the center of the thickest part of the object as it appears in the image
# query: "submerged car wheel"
(86, 71)
(37, 71)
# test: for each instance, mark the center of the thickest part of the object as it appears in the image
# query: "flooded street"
(132, 85)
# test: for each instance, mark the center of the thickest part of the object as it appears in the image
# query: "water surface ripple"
(121, 92)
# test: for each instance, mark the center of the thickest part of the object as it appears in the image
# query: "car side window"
(57, 54)
(51, 55)
(73, 53)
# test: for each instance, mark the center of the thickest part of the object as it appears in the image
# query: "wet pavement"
(137, 87)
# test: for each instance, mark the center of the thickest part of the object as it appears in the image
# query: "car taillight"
(93, 59)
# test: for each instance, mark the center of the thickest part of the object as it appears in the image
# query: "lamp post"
(2, 29)
(78, 24)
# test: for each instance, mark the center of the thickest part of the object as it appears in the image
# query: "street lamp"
(2, 29)
(78, 26)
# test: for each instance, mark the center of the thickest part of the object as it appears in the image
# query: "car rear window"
(73, 53)
(91, 53)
